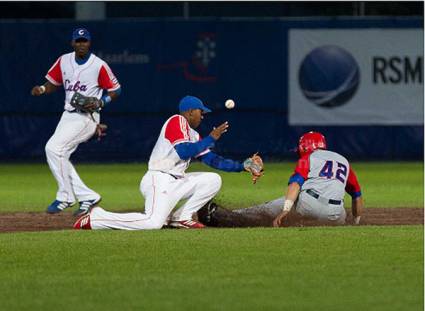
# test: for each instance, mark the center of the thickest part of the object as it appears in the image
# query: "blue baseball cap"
(81, 33)
(192, 102)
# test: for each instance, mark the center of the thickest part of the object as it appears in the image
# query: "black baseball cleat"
(206, 213)
(86, 206)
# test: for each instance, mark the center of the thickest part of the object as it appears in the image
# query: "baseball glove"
(255, 166)
(86, 104)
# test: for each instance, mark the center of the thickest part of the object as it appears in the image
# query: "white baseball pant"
(320, 208)
(72, 129)
(306, 205)
(162, 192)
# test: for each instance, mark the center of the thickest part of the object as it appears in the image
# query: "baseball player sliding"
(84, 76)
(316, 191)
(319, 183)
(166, 182)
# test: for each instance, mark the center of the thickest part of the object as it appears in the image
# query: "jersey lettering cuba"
(328, 173)
(88, 79)
(164, 158)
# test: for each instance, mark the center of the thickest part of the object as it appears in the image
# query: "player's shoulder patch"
(176, 118)
(177, 129)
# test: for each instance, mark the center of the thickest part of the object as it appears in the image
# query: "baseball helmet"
(311, 141)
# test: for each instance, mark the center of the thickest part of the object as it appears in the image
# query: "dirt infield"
(15, 222)
(263, 218)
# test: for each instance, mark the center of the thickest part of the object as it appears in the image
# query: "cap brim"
(75, 39)
(205, 109)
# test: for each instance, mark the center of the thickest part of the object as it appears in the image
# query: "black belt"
(315, 195)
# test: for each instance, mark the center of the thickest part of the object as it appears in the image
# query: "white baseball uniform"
(327, 176)
(89, 79)
(165, 184)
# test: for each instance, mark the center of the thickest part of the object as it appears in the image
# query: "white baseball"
(230, 104)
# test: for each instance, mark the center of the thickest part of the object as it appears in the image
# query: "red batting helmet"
(311, 141)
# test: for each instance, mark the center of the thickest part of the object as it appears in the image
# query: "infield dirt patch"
(14, 222)
(263, 217)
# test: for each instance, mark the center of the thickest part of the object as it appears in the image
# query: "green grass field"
(31, 187)
(322, 268)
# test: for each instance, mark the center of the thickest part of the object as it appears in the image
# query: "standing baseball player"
(318, 185)
(81, 73)
(166, 182)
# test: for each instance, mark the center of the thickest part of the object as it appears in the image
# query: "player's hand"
(100, 131)
(356, 220)
(277, 222)
(219, 130)
(37, 90)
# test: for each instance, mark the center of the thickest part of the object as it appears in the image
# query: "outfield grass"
(333, 268)
(31, 187)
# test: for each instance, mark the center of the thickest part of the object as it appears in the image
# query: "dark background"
(251, 69)
(123, 9)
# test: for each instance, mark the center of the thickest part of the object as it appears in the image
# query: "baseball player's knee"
(156, 224)
(51, 149)
(342, 217)
(215, 180)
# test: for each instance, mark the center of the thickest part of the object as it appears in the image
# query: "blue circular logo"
(329, 76)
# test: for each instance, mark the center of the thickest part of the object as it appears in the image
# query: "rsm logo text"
(397, 70)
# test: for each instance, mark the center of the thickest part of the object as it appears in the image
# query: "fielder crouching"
(166, 183)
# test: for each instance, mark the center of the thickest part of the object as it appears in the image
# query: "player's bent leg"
(102, 219)
(159, 190)
(81, 190)
(158, 206)
(322, 213)
(70, 131)
(205, 187)
(261, 215)
(337, 214)
(271, 208)
(87, 198)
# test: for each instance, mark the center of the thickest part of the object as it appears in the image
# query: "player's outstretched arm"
(353, 189)
(46, 88)
(189, 150)
(291, 196)
(227, 165)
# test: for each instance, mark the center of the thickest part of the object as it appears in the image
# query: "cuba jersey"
(164, 158)
(89, 79)
(327, 173)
